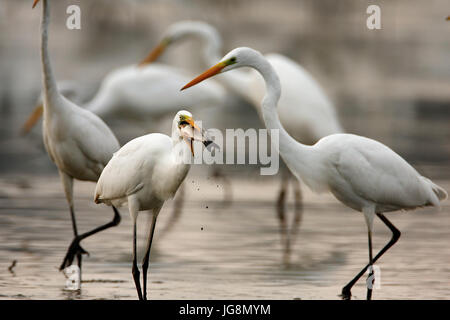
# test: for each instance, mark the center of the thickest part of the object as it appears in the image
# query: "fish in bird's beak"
(207, 74)
(192, 132)
(35, 3)
(156, 52)
(32, 119)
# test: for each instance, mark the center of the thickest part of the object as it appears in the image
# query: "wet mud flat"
(216, 250)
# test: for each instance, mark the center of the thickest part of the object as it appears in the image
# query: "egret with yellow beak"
(145, 173)
(362, 173)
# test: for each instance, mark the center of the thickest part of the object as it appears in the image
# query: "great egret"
(362, 173)
(77, 141)
(146, 172)
(304, 109)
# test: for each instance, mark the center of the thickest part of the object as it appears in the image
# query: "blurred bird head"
(69, 89)
(237, 58)
(188, 130)
(180, 31)
(35, 3)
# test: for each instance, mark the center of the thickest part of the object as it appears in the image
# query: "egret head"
(178, 32)
(186, 129)
(237, 58)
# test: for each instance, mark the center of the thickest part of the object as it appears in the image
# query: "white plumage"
(145, 168)
(362, 173)
(143, 93)
(150, 91)
(304, 109)
(77, 141)
(146, 172)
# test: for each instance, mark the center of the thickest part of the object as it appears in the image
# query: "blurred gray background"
(392, 84)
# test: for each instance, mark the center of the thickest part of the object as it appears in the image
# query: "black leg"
(346, 291)
(281, 214)
(147, 255)
(76, 249)
(135, 269)
(75, 233)
(370, 279)
(298, 212)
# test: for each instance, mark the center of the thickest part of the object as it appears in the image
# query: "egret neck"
(50, 89)
(287, 146)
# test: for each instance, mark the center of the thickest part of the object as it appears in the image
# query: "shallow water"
(216, 251)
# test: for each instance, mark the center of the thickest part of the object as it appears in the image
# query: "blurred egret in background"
(304, 109)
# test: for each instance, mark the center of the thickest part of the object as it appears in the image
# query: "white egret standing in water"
(362, 173)
(145, 173)
(77, 141)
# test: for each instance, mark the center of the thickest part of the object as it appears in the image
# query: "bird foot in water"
(346, 294)
(74, 250)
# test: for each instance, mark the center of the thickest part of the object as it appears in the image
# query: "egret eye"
(233, 60)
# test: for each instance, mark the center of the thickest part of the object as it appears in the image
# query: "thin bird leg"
(67, 182)
(75, 233)
(135, 269)
(346, 291)
(75, 247)
(147, 255)
(281, 214)
(370, 279)
(298, 211)
(227, 190)
(176, 212)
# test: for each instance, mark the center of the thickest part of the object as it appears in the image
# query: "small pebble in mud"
(198, 189)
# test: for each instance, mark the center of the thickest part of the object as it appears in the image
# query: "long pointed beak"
(32, 119)
(35, 3)
(205, 75)
(155, 53)
(194, 125)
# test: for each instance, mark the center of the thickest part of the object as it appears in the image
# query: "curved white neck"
(297, 156)
(49, 82)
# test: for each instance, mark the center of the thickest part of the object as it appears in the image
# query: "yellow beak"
(32, 119)
(193, 124)
(35, 3)
(155, 53)
(205, 75)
